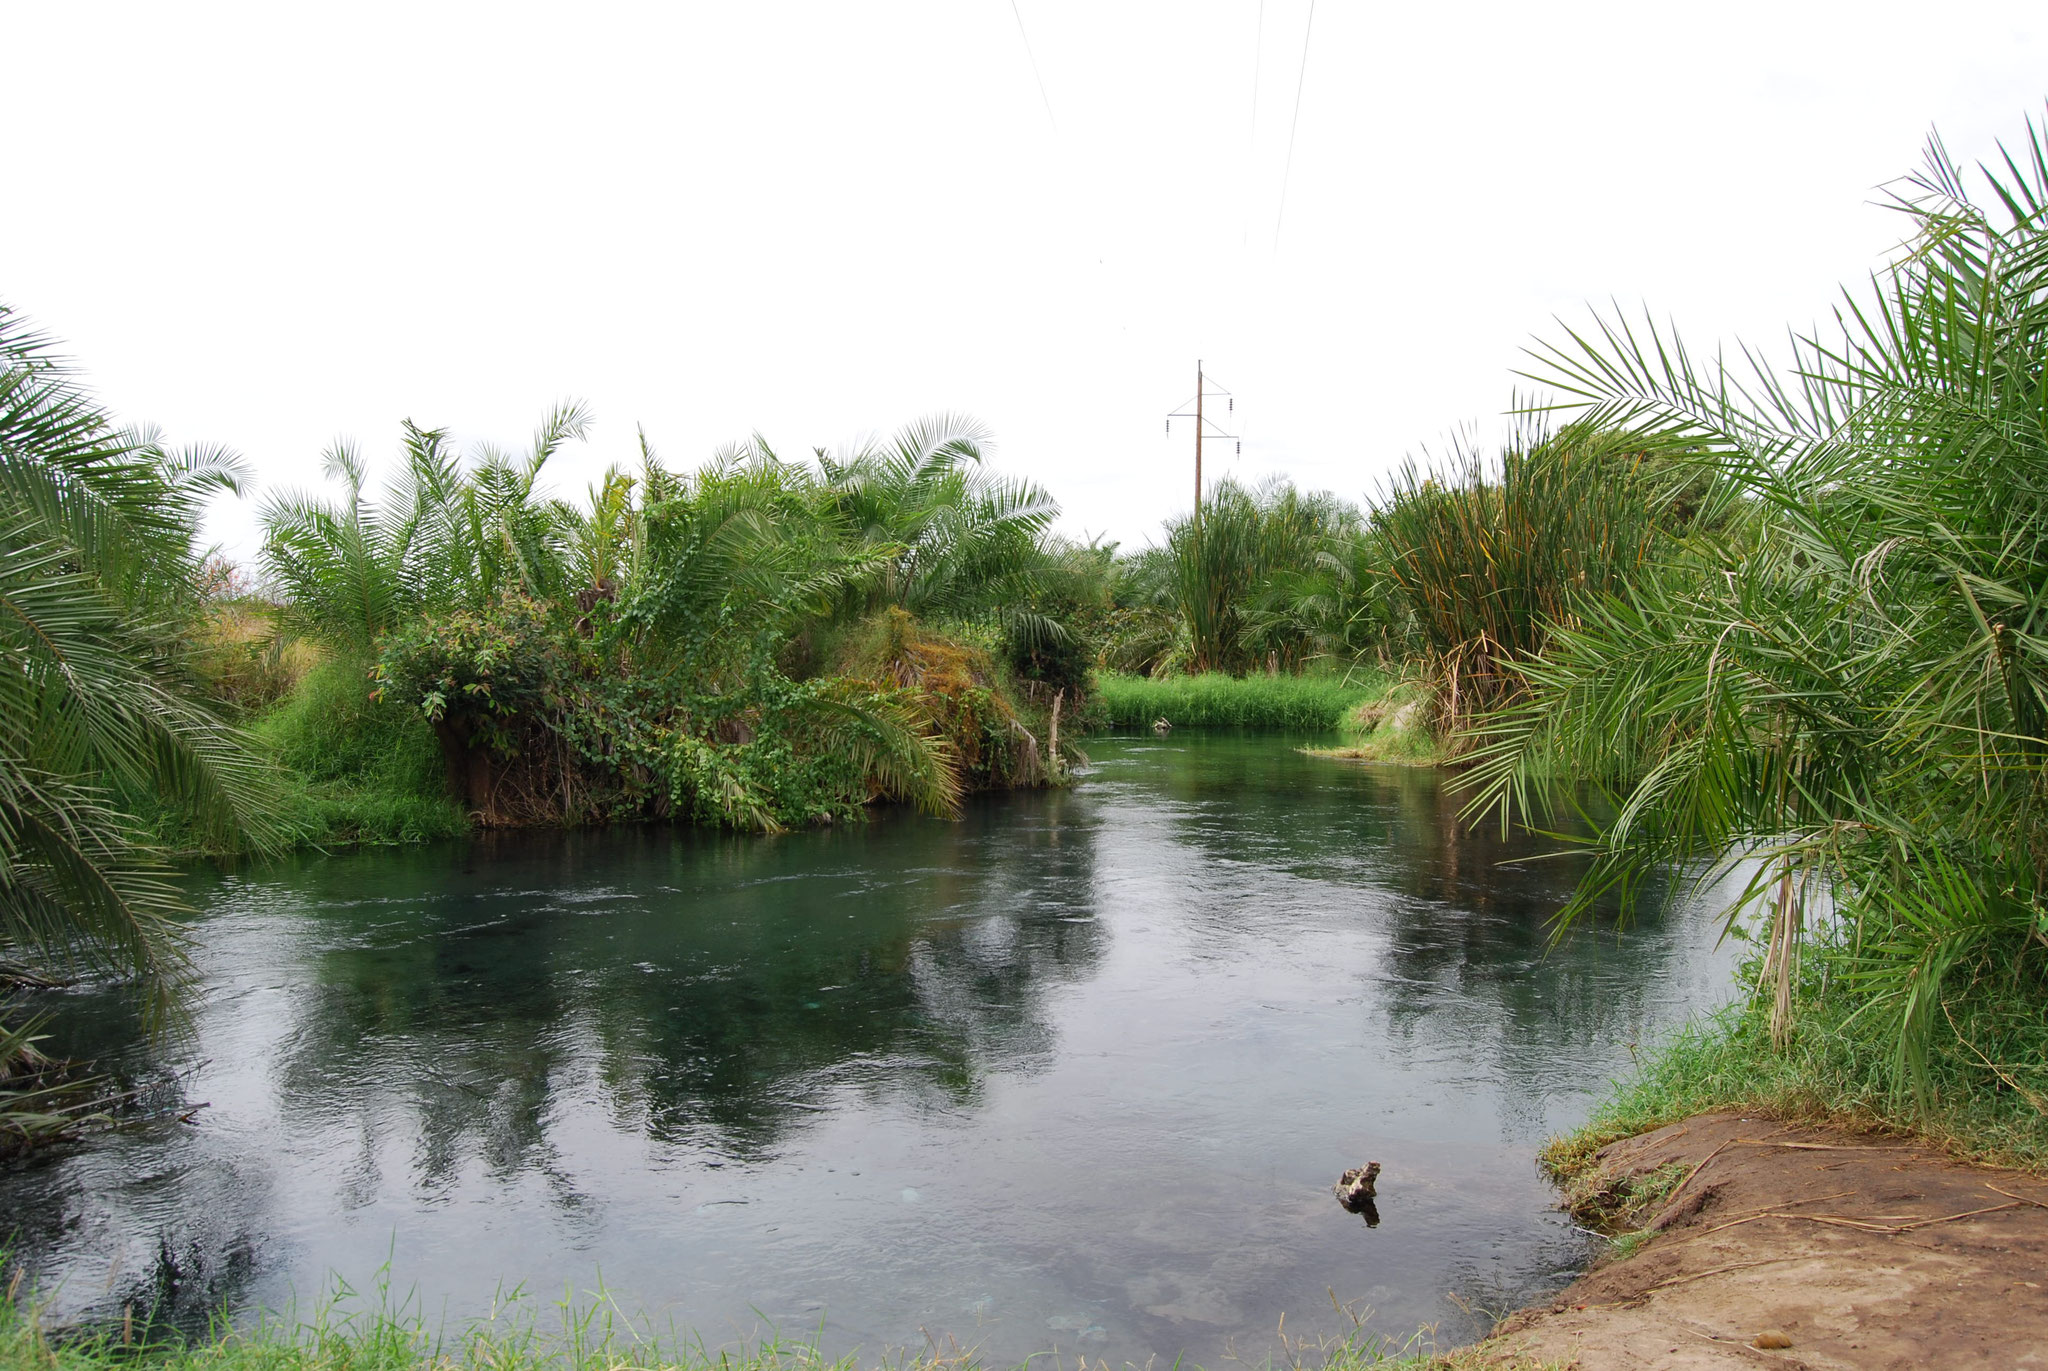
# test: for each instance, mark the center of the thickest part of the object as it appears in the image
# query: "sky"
(270, 226)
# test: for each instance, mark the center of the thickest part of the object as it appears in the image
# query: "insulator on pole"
(1233, 404)
(1240, 449)
(1169, 427)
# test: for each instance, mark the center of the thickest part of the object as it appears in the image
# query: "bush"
(332, 730)
(956, 688)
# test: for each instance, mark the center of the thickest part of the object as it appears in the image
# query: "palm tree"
(1248, 579)
(1853, 694)
(442, 537)
(96, 714)
(954, 539)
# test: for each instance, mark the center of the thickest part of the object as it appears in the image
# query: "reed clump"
(1488, 559)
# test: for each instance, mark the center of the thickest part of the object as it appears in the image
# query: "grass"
(1838, 1067)
(1393, 727)
(343, 1332)
(1300, 704)
(363, 771)
(1488, 557)
(335, 814)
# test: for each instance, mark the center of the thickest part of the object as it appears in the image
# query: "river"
(1076, 1071)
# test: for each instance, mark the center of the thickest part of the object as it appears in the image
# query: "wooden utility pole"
(1202, 426)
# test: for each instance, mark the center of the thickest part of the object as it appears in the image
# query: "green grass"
(586, 1333)
(1301, 704)
(363, 771)
(1392, 727)
(330, 729)
(337, 815)
(1842, 1067)
(570, 1336)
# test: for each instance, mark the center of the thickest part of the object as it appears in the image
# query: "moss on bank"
(1301, 704)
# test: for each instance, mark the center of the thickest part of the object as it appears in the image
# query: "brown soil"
(1859, 1249)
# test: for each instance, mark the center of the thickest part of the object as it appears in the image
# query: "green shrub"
(363, 770)
(331, 729)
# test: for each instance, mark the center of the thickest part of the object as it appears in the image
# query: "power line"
(1035, 73)
(1300, 78)
(1251, 140)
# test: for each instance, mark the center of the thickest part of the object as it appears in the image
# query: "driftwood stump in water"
(1355, 1188)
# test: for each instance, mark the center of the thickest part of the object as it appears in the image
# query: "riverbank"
(1748, 1240)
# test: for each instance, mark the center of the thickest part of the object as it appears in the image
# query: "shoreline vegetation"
(586, 1332)
(1790, 622)
(1215, 699)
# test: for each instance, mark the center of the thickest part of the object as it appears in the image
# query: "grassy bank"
(351, 770)
(1838, 1067)
(1303, 704)
(1396, 727)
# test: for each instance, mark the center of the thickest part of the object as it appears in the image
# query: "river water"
(1074, 1072)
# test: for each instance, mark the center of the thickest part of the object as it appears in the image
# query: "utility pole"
(1203, 390)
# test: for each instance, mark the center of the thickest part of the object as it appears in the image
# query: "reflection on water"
(1076, 1071)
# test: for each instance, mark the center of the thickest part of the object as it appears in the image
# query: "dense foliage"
(1266, 579)
(1489, 565)
(1456, 574)
(677, 646)
(1845, 686)
(102, 723)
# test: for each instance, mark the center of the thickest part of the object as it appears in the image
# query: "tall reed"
(1488, 559)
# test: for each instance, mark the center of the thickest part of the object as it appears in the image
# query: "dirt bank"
(1859, 1250)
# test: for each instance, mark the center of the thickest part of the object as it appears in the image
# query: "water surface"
(1076, 1071)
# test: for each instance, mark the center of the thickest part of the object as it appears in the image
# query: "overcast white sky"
(271, 225)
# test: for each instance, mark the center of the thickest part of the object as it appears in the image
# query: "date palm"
(443, 536)
(97, 570)
(1849, 681)
(951, 538)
